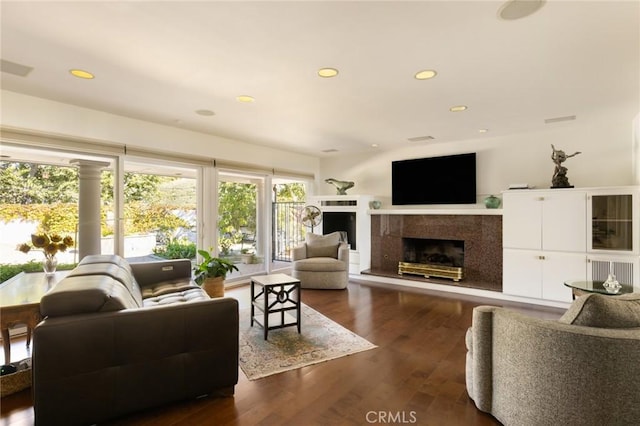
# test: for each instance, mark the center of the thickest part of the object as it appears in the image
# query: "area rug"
(321, 340)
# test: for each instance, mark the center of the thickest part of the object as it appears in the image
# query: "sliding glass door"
(241, 223)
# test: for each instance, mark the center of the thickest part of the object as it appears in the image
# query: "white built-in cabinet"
(613, 235)
(556, 235)
(544, 239)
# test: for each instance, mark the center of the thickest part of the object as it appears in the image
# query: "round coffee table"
(581, 288)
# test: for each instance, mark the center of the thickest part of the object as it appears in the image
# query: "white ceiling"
(161, 61)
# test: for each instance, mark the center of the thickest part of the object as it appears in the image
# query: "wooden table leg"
(6, 343)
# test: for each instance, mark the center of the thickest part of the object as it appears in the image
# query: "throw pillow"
(598, 310)
(323, 245)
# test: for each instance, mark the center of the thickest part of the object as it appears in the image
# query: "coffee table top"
(595, 286)
(274, 279)
(28, 288)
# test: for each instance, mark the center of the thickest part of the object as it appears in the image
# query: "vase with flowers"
(50, 244)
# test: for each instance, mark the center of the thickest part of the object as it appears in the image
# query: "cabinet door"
(558, 268)
(522, 220)
(613, 225)
(564, 219)
(522, 273)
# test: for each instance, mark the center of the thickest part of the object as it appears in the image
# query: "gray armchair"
(322, 262)
(583, 369)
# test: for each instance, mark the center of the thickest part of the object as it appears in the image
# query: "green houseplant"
(211, 273)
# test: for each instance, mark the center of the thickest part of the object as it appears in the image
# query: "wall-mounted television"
(449, 179)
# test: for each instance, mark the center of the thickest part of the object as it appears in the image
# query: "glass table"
(580, 287)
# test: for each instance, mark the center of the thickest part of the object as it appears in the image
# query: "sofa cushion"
(106, 258)
(189, 295)
(86, 294)
(115, 271)
(323, 245)
(320, 264)
(598, 310)
(168, 287)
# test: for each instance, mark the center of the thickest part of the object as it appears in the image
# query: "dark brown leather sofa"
(120, 337)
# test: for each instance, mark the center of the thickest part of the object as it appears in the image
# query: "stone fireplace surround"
(482, 236)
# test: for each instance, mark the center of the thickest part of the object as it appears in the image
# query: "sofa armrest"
(299, 252)
(149, 273)
(479, 363)
(343, 252)
(119, 362)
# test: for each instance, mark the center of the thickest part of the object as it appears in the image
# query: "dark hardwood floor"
(415, 376)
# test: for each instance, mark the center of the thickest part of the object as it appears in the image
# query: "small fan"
(311, 217)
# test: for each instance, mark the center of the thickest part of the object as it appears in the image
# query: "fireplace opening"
(342, 222)
(432, 258)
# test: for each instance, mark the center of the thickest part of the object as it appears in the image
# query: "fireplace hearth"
(439, 258)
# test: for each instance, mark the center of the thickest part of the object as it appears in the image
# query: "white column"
(89, 206)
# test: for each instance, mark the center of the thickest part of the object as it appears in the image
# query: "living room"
(530, 98)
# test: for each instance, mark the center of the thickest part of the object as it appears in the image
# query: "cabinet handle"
(540, 198)
(541, 257)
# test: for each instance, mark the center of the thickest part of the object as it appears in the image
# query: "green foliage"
(294, 191)
(8, 271)
(60, 218)
(212, 267)
(236, 211)
(25, 183)
(143, 218)
(177, 249)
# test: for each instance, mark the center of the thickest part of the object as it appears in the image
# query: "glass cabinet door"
(611, 222)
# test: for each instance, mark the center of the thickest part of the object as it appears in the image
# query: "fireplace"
(341, 222)
(481, 235)
(440, 258)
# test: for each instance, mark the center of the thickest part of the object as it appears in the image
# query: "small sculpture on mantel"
(341, 185)
(560, 179)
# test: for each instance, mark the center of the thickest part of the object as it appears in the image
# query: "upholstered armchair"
(322, 262)
(583, 369)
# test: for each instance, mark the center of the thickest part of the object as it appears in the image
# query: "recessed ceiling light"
(516, 9)
(483, 130)
(374, 145)
(81, 74)
(425, 74)
(245, 98)
(205, 112)
(458, 108)
(327, 72)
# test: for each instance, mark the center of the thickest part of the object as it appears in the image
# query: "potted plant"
(211, 273)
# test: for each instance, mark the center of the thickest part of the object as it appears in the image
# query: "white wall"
(636, 150)
(42, 115)
(606, 143)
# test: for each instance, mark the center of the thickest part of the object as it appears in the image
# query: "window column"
(89, 206)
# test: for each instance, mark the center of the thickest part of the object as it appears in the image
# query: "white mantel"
(434, 211)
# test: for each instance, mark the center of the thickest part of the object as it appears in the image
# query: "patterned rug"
(321, 340)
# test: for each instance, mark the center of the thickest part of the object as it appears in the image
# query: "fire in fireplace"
(433, 258)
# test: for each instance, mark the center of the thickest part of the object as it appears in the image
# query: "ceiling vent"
(559, 119)
(15, 69)
(421, 138)
(329, 150)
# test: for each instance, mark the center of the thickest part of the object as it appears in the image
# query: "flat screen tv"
(449, 179)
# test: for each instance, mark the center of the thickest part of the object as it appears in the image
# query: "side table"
(275, 296)
(580, 288)
(20, 303)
